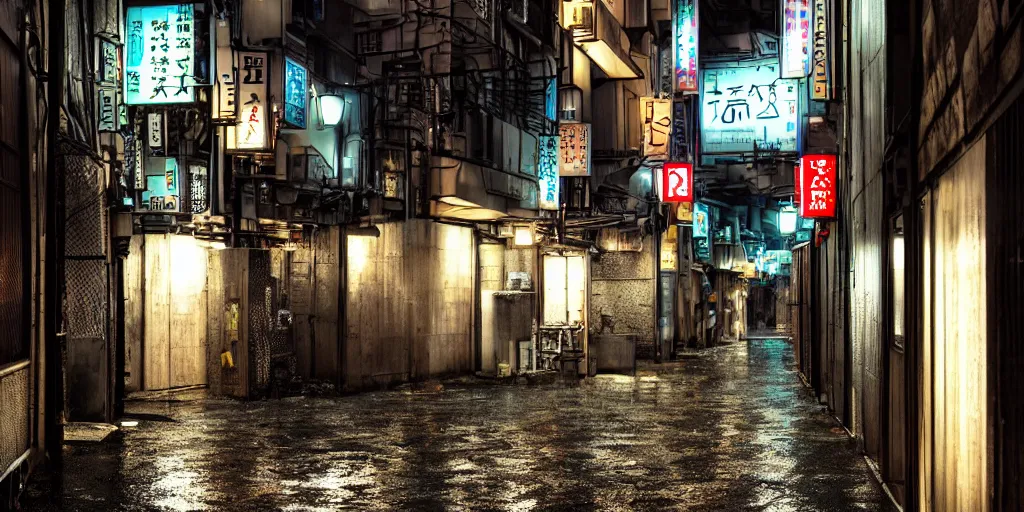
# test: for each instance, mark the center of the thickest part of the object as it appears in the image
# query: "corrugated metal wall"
(1006, 307)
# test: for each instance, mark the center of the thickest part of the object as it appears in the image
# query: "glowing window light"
(523, 236)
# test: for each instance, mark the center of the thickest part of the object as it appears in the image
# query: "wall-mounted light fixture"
(570, 103)
(787, 220)
(523, 236)
(332, 109)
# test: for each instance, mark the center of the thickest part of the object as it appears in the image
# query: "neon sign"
(547, 172)
(796, 19)
(818, 186)
(677, 183)
(159, 55)
(295, 93)
(746, 107)
(684, 47)
(251, 91)
(820, 74)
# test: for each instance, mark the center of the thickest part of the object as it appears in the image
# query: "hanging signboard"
(684, 47)
(551, 100)
(821, 78)
(108, 109)
(656, 119)
(681, 139)
(156, 130)
(250, 134)
(547, 172)
(818, 186)
(796, 182)
(701, 222)
(796, 26)
(574, 149)
(677, 182)
(296, 93)
(159, 55)
(109, 67)
(226, 105)
(746, 107)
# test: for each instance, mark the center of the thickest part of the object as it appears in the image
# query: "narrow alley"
(731, 430)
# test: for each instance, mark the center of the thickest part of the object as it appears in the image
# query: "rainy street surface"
(732, 430)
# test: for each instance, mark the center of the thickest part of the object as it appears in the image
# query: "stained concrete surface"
(733, 430)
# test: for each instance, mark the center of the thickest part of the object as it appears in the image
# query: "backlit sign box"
(701, 220)
(547, 172)
(684, 46)
(746, 106)
(818, 186)
(796, 25)
(159, 55)
(656, 119)
(821, 76)
(296, 92)
(251, 92)
(677, 182)
(574, 149)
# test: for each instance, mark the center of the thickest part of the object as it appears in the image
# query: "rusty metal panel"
(1005, 289)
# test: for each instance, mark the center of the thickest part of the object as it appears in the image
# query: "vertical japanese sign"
(796, 29)
(677, 182)
(574, 149)
(821, 78)
(159, 58)
(107, 87)
(251, 93)
(748, 107)
(547, 172)
(818, 186)
(684, 46)
(108, 109)
(155, 122)
(226, 106)
(296, 92)
(796, 182)
(681, 130)
(701, 224)
(656, 120)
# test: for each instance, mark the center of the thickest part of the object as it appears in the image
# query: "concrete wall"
(622, 285)
(409, 303)
(861, 168)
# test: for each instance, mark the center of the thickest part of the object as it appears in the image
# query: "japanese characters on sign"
(682, 133)
(296, 92)
(796, 24)
(156, 130)
(109, 62)
(746, 107)
(251, 94)
(108, 109)
(684, 47)
(818, 186)
(547, 172)
(677, 182)
(574, 149)
(159, 55)
(656, 120)
(820, 73)
(226, 107)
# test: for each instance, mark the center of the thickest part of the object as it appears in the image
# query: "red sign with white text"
(818, 186)
(677, 183)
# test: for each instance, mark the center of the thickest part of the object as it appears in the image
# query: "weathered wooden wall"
(409, 303)
(956, 467)
(227, 327)
(166, 312)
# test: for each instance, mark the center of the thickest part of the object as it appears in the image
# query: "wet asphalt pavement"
(732, 430)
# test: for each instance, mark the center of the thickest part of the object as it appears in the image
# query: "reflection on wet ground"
(734, 430)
